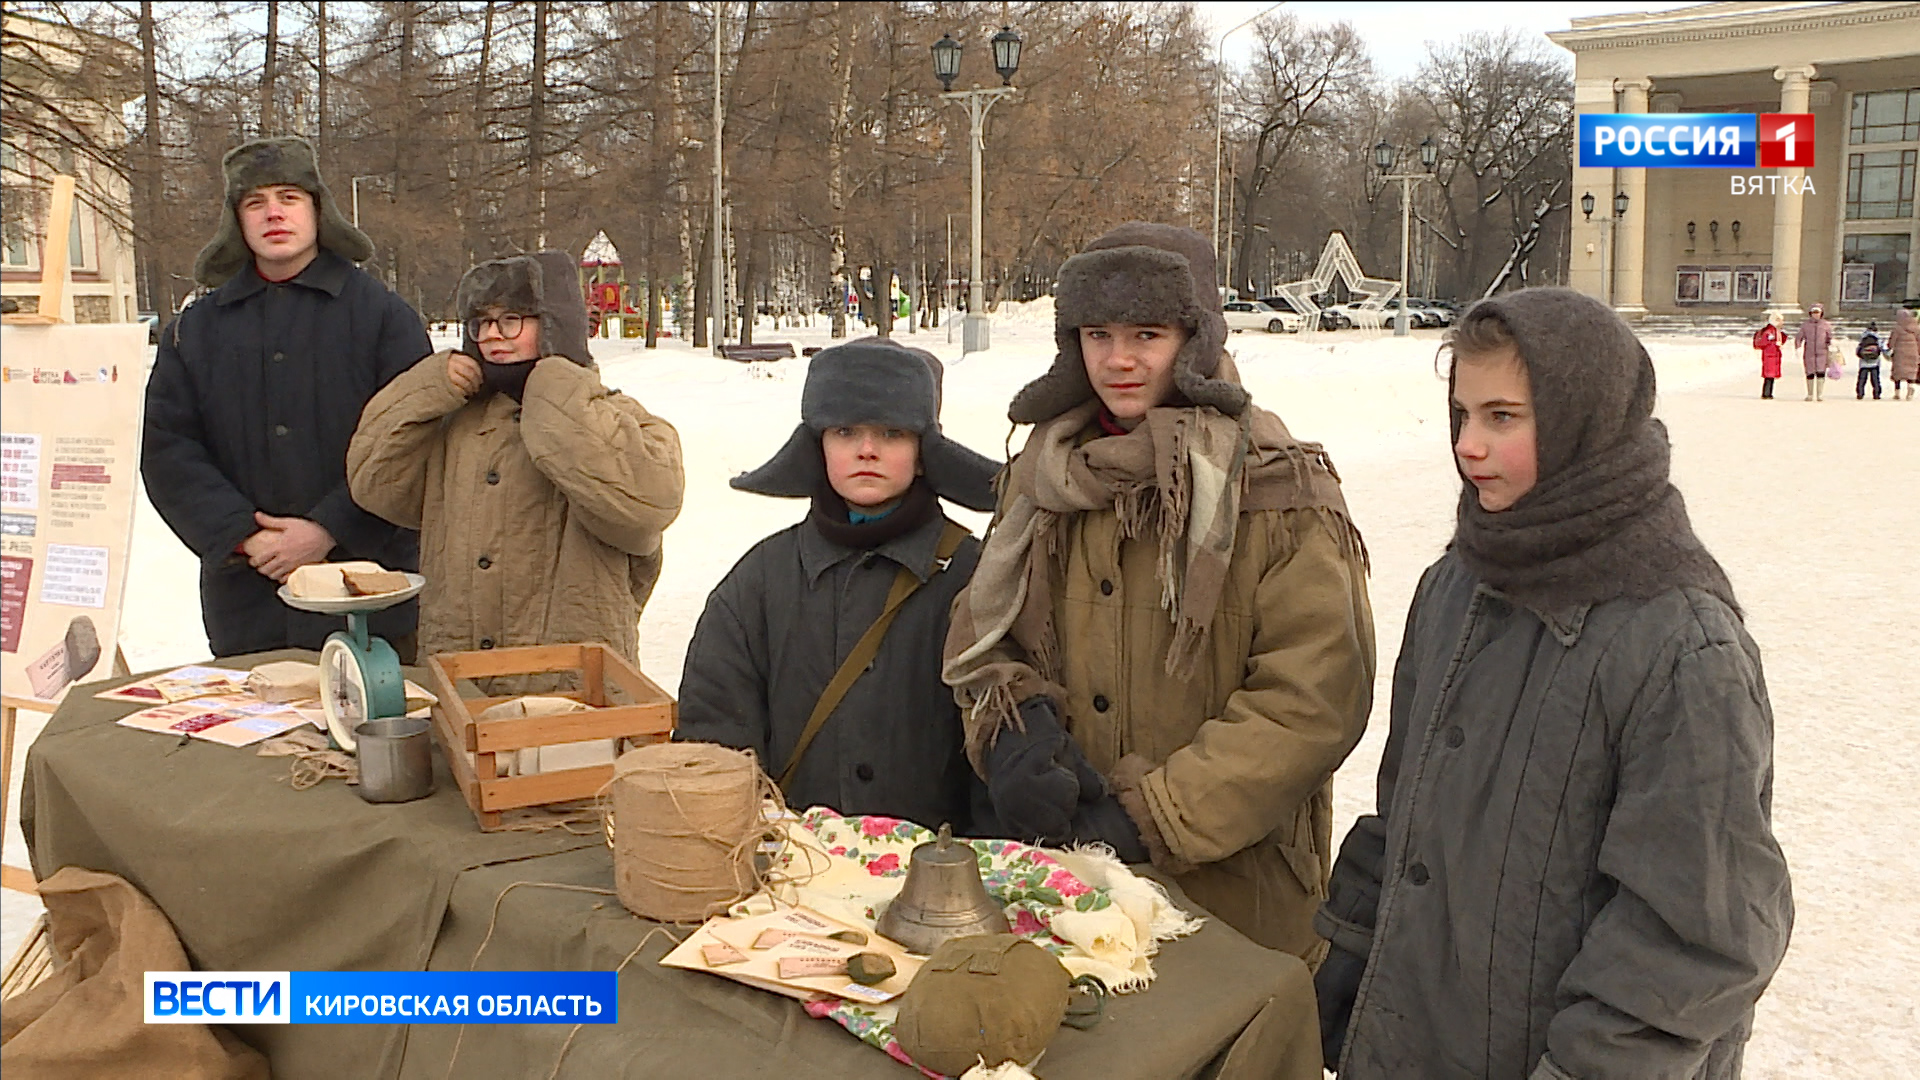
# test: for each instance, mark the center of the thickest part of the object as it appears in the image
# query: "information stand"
(70, 420)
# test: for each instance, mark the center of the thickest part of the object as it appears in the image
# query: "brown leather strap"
(905, 582)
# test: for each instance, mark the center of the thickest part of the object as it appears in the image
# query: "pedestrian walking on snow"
(1903, 346)
(1768, 339)
(1815, 339)
(1868, 352)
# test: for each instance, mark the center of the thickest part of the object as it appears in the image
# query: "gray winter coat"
(777, 628)
(1571, 873)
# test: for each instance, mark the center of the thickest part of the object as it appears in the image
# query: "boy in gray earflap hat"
(255, 391)
(820, 650)
(540, 494)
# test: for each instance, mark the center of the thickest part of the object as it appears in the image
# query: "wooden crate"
(473, 746)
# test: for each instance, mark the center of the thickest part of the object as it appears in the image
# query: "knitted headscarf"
(1602, 521)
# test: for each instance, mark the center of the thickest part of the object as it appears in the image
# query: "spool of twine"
(686, 822)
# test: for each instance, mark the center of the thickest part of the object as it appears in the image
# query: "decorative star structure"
(1336, 260)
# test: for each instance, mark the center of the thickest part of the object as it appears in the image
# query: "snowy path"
(1814, 509)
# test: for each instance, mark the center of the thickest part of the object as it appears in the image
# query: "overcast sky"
(1397, 34)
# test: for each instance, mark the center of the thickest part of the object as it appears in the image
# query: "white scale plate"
(346, 605)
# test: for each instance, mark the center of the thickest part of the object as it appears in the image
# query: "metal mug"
(396, 759)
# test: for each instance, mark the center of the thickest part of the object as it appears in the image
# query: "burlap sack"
(85, 1022)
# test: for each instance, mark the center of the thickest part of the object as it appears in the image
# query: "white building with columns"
(1717, 241)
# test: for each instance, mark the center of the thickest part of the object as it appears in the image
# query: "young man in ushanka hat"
(820, 650)
(254, 394)
(540, 494)
(1167, 646)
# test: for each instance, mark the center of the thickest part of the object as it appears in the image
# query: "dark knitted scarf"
(1603, 521)
(829, 515)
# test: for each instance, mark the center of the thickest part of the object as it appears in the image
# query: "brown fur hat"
(286, 160)
(1140, 273)
(546, 284)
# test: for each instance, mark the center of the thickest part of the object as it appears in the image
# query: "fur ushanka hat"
(1145, 274)
(873, 381)
(285, 160)
(546, 284)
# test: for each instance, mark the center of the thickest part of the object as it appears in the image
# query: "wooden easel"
(53, 291)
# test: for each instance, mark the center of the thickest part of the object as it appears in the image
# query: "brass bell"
(943, 898)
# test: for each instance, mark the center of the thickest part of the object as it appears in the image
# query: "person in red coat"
(1768, 340)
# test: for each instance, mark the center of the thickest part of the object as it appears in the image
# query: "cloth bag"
(86, 1020)
(1836, 364)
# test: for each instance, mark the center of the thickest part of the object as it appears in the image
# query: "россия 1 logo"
(1696, 140)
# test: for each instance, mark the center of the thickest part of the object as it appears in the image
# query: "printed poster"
(70, 416)
(1719, 287)
(1856, 283)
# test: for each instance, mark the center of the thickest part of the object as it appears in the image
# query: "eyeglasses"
(509, 325)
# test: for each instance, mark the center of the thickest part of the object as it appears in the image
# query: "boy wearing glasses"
(540, 495)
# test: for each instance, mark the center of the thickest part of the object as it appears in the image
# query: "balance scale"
(360, 677)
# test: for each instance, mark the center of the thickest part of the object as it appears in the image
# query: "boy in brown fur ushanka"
(1167, 645)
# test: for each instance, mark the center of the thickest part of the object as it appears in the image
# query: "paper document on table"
(181, 684)
(233, 720)
(751, 950)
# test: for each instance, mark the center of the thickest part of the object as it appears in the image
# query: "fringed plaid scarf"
(1182, 477)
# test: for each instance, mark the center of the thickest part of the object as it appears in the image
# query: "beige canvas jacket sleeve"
(617, 464)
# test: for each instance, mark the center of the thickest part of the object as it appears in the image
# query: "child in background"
(1768, 339)
(1868, 352)
(1571, 870)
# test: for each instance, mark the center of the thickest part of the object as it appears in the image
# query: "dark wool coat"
(254, 396)
(1572, 871)
(777, 628)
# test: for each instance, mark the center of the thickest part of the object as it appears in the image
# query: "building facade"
(46, 60)
(1842, 232)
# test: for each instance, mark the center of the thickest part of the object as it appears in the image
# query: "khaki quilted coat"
(540, 522)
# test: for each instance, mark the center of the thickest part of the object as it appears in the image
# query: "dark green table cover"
(256, 876)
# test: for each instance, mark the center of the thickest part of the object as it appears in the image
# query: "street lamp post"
(1220, 60)
(976, 329)
(1384, 155)
(717, 302)
(1606, 237)
(1219, 63)
(356, 194)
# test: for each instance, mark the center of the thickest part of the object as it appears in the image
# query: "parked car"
(1331, 318)
(1418, 314)
(1254, 315)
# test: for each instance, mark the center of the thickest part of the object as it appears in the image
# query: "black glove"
(1035, 778)
(1106, 821)
(1335, 986)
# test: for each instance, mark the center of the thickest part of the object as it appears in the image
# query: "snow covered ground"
(1814, 509)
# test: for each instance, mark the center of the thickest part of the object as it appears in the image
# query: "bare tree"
(1504, 105)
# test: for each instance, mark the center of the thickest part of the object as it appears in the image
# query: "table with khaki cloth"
(256, 876)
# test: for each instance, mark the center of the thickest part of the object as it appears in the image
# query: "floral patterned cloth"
(850, 868)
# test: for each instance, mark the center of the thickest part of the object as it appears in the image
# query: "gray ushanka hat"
(285, 160)
(873, 381)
